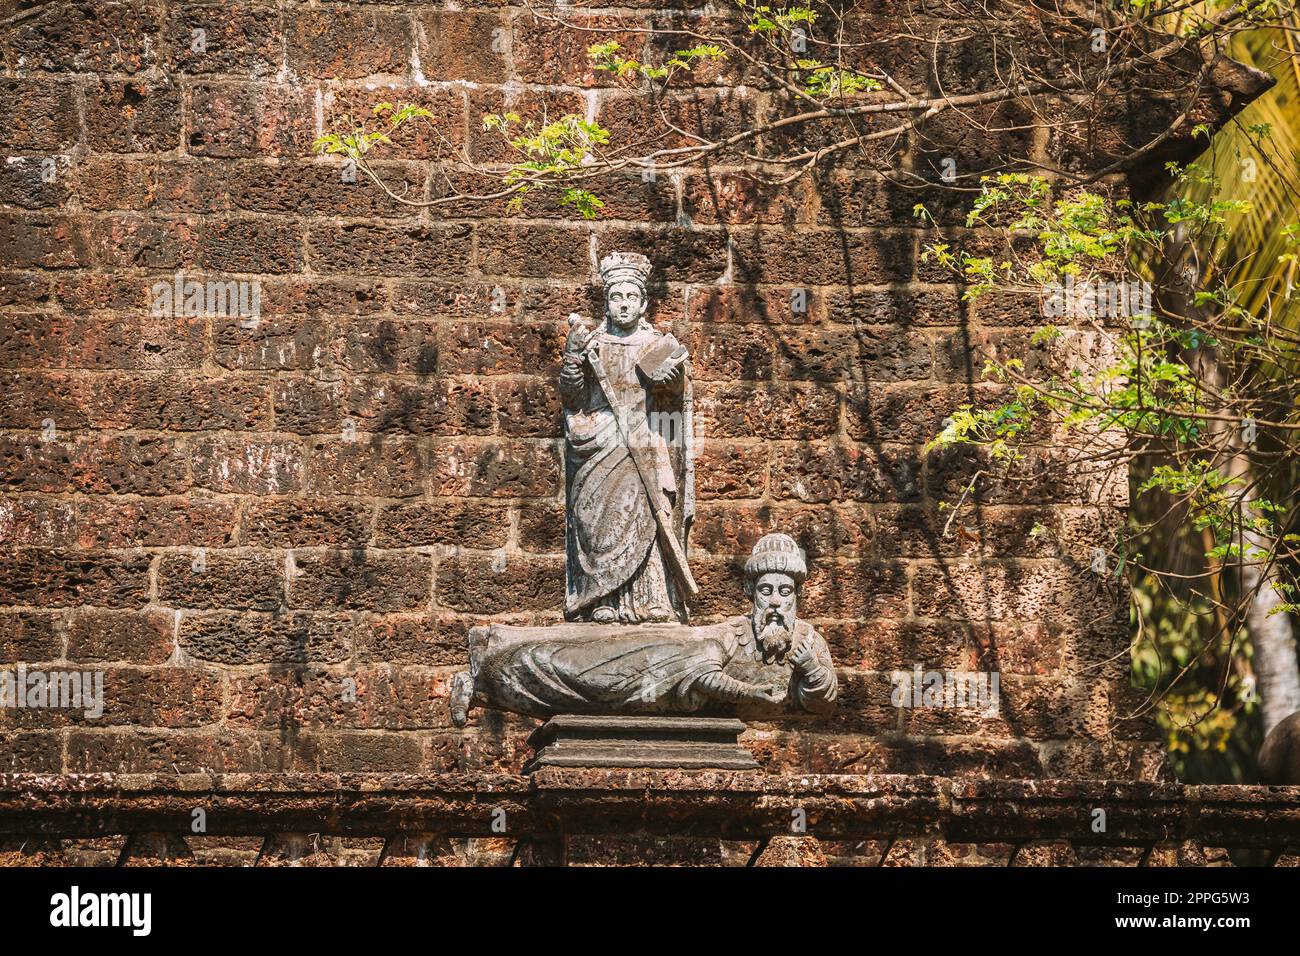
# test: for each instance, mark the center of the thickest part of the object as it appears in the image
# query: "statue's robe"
(613, 554)
(651, 669)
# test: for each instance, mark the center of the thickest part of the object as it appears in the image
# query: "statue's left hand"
(803, 655)
(671, 376)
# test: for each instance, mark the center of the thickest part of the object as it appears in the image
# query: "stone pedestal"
(689, 743)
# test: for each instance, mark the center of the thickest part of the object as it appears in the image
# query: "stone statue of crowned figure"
(629, 459)
(625, 651)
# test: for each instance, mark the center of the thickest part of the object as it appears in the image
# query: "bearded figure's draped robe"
(614, 557)
(653, 669)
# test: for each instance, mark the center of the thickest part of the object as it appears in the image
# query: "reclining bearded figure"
(767, 663)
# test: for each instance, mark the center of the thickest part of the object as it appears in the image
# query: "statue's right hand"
(578, 334)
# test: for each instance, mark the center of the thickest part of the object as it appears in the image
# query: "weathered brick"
(30, 637)
(176, 697)
(111, 464)
(857, 590)
(251, 245)
(221, 579)
(133, 116)
(965, 758)
(156, 522)
(31, 752)
(462, 46)
(1031, 592)
(751, 304)
(128, 241)
(543, 54)
(353, 752)
(412, 639)
(25, 289)
(837, 471)
(722, 354)
(38, 115)
(441, 407)
(319, 189)
(677, 254)
(85, 37)
(736, 199)
(341, 44)
(768, 411)
(481, 348)
(225, 638)
(1009, 531)
(38, 521)
(527, 408)
(305, 523)
(500, 585)
(191, 186)
(56, 578)
(468, 524)
(270, 343)
(250, 120)
(226, 38)
(116, 183)
(727, 528)
(822, 258)
(731, 470)
(909, 413)
(359, 579)
(384, 345)
(541, 528)
(438, 138)
(384, 698)
(144, 751)
(43, 242)
(121, 636)
(35, 182)
(530, 250)
(247, 466)
(108, 294)
(347, 296)
(382, 250)
(705, 114)
(496, 469)
(371, 465)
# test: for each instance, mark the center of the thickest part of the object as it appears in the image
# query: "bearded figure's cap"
(619, 266)
(777, 552)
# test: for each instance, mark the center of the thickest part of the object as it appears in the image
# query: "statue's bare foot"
(462, 690)
(658, 615)
(604, 615)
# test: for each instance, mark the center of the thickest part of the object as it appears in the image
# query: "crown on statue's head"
(621, 266)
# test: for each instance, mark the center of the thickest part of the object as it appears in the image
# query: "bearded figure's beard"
(774, 632)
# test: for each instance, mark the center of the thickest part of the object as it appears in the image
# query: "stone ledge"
(725, 804)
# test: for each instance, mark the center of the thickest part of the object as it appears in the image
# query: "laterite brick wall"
(238, 521)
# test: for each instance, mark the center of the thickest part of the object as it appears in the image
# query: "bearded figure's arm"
(718, 686)
(816, 685)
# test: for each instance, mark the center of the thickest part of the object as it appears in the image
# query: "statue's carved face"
(625, 304)
(776, 599)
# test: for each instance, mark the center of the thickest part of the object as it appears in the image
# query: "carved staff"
(672, 548)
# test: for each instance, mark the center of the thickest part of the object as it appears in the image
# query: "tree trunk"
(1277, 671)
